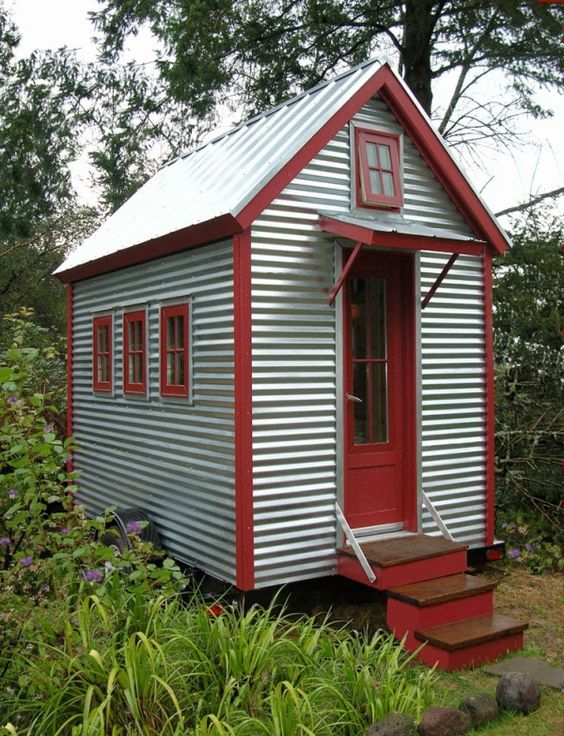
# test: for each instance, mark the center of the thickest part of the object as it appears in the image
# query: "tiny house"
(281, 349)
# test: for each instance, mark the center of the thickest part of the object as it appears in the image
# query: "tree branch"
(532, 202)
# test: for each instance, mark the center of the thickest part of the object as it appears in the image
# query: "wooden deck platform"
(405, 549)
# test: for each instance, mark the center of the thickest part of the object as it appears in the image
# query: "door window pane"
(377, 298)
(358, 317)
(361, 429)
(379, 403)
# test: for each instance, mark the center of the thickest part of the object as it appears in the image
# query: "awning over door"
(391, 230)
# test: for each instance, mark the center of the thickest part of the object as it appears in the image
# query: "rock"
(481, 707)
(396, 724)
(517, 691)
(437, 721)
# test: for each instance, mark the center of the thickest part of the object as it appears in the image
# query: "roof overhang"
(393, 231)
(189, 237)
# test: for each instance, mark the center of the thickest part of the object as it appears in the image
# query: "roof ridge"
(272, 110)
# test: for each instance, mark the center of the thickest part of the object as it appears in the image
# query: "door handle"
(350, 397)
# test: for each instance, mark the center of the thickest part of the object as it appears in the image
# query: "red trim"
(470, 656)
(98, 384)
(132, 387)
(243, 411)
(175, 312)
(189, 237)
(365, 196)
(345, 272)
(490, 397)
(370, 236)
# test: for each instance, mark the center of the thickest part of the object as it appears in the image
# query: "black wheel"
(113, 537)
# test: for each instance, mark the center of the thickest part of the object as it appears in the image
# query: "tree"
(257, 52)
(528, 299)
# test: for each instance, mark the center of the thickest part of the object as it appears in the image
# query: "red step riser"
(402, 617)
(470, 656)
(406, 573)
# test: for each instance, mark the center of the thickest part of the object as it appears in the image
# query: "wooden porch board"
(402, 550)
(441, 590)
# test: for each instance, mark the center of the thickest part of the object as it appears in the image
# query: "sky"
(503, 178)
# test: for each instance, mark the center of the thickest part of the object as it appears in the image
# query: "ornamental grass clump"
(182, 670)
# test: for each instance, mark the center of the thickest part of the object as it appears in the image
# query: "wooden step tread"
(441, 590)
(471, 632)
(401, 550)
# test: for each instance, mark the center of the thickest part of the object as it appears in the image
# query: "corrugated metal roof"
(393, 222)
(222, 176)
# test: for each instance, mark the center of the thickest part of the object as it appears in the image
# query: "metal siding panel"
(172, 458)
(294, 366)
(453, 397)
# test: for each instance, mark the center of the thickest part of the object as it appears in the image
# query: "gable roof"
(219, 188)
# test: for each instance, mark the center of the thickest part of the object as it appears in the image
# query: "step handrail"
(435, 515)
(354, 544)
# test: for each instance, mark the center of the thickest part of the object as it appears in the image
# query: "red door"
(379, 392)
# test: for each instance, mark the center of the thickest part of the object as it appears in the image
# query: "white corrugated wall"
(294, 360)
(453, 397)
(173, 459)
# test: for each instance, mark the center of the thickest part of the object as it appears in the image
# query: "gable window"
(378, 164)
(102, 353)
(134, 352)
(174, 350)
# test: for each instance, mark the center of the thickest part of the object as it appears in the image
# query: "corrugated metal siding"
(294, 346)
(453, 397)
(173, 459)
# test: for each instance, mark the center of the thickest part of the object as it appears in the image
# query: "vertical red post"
(69, 366)
(243, 411)
(490, 396)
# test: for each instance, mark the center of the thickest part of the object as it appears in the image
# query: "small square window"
(102, 353)
(378, 169)
(174, 350)
(135, 352)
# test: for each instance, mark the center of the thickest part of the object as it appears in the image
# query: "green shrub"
(49, 549)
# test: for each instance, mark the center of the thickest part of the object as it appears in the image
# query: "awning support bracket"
(349, 535)
(439, 280)
(345, 272)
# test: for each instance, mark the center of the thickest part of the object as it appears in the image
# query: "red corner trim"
(243, 411)
(490, 397)
(189, 237)
(69, 362)
(369, 236)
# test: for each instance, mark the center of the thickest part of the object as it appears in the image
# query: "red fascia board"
(290, 170)
(189, 237)
(442, 164)
(371, 237)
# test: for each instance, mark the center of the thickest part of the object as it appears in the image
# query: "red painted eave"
(189, 237)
